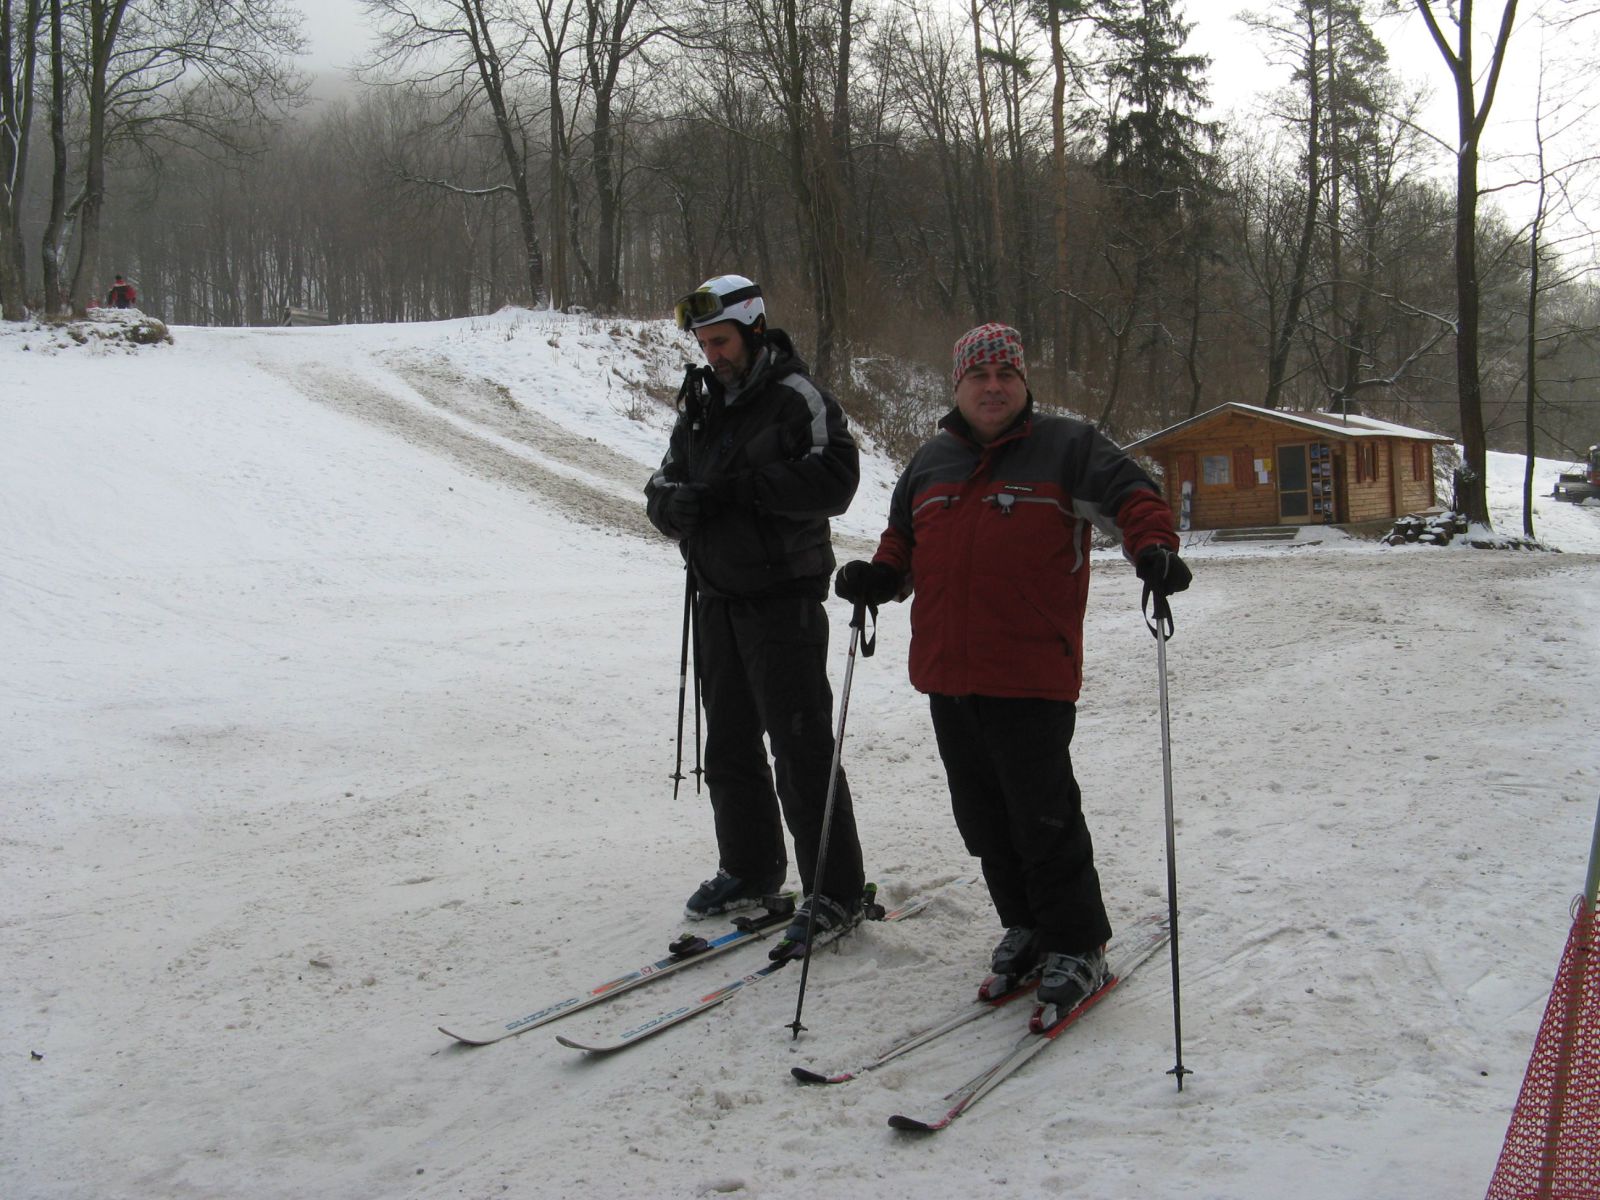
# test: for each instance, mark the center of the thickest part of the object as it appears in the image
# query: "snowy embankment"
(339, 688)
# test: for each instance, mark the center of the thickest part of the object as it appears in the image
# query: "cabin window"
(1367, 462)
(1419, 460)
(1214, 470)
(1244, 475)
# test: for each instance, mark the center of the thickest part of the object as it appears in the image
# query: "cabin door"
(1294, 485)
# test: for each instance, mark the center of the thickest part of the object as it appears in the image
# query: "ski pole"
(1162, 628)
(858, 622)
(688, 394)
(694, 637)
(683, 679)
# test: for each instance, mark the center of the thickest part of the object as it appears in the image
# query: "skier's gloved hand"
(691, 506)
(1163, 570)
(871, 583)
(734, 491)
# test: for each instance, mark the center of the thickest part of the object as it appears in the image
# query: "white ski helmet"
(723, 298)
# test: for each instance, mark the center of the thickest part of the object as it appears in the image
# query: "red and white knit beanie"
(991, 343)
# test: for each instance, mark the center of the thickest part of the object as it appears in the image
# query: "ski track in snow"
(478, 427)
(343, 703)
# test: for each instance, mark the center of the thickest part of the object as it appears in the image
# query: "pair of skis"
(676, 1016)
(1148, 936)
(684, 952)
(1046, 1025)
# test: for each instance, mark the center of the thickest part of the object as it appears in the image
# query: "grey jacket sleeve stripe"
(660, 478)
(1098, 517)
(819, 409)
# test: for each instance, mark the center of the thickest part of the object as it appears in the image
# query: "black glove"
(1163, 570)
(691, 506)
(871, 583)
(734, 491)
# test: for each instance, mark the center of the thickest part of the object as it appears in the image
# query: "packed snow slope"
(339, 683)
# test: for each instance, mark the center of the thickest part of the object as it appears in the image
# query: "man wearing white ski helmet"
(759, 460)
(732, 301)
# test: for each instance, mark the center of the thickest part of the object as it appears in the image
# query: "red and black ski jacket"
(780, 460)
(994, 542)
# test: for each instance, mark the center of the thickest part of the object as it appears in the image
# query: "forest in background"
(890, 174)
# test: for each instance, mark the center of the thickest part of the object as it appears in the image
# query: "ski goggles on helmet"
(703, 307)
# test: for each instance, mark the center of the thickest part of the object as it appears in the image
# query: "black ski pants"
(1019, 810)
(764, 671)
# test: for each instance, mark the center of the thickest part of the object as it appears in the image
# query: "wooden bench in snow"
(304, 316)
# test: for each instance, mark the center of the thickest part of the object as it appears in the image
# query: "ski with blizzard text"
(1034, 1041)
(676, 1016)
(981, 1007)
(685, 951)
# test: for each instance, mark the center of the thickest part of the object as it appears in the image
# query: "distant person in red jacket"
(989, 528)
(121, 294)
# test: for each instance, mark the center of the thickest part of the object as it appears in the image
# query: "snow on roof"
(1352, 425)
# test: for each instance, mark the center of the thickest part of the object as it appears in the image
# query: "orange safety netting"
(1552, 1148)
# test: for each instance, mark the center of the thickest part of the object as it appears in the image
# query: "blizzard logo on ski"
(541, 1015)
(665, 1018)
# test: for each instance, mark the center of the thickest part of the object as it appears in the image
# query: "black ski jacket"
(779, 460)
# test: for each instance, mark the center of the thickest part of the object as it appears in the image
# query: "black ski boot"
(833, 921)
(726, 893)
(1014, 963)
(1066, 981)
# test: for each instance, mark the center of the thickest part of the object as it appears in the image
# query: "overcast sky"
(336, 32)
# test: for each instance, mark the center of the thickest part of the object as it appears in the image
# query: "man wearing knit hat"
(989, 532)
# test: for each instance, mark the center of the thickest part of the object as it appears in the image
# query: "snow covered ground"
(339, 678)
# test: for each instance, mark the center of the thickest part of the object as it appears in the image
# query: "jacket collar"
(777, 359)
(954, 423)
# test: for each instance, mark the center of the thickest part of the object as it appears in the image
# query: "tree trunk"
(1191, 357)
(13, 306)
(605, 52)
(1472, 495)
(105, 24)
(1469, 384)
(802, 154)
(491, 75)
(52, 248)
(997, 246)
(609, 297)
(1058, 165)
(20, 47)
(1289, 325)
(558, 277)
(1532, 358)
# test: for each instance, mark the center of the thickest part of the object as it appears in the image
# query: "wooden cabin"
(1239, 466)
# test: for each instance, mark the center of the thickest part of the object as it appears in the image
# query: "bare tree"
(1556, 195)
(794, 49)
(1060, 18)
(1295, 36)
(126, 74)
(19, 57)
(611, 41)
(1472, 114)
(56, 229)
(471, 49)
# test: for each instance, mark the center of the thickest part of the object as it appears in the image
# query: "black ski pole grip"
(858, 620)
(1162, 625)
